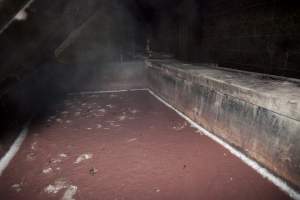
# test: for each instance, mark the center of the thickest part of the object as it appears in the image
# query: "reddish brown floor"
(140, 150)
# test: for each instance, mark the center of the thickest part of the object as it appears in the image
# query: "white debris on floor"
(30, 156)
(17, 187)
(69, 193)
(59, 120)
(102, 110)
(132, 140)
(180, 127)
(33, 146)
(55, 160)
(122, 117)
(62, 155)
(58, 185)
(134, 111)
(83, 157)
(99, 126)
(47, 170)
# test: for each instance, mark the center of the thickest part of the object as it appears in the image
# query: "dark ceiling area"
(59, 37)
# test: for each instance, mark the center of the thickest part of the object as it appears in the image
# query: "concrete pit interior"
(138, 99)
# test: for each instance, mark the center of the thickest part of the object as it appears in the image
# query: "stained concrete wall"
(255, 113)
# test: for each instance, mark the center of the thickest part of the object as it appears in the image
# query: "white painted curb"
(6, 159)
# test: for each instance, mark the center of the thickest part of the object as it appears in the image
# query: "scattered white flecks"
(122, 118)
(102, 110)
(69, 193)
(30, 156)
(89, 129)
(132, 140)
(134, 111)
(17, 187)
(99, 126)
(113, 123)
(69, 121)
(109, 106)
(231, 179)
(180, 127)
(83, 104)
(63, 155)
(47, 170)
(77, 114)
(55, 161)
(83, 157)
(157, 190)
(58, 185)
(59, 120)
(33, 146)
(106, 128)
(65, 112)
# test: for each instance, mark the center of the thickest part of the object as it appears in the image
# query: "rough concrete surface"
(125, 146)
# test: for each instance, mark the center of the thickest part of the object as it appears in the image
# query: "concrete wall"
(234, 107)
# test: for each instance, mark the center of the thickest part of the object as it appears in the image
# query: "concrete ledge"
(256, 113)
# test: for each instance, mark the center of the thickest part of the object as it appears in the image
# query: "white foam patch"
(17, 187)
(122, 118)
(58, 185)
(83, 157)
(69, 193)
(6, 159)
(63, 155)
(251, 163)
(47, 170)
